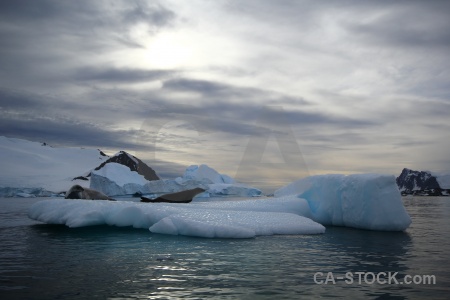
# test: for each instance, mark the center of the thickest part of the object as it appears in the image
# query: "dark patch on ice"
(81, 178)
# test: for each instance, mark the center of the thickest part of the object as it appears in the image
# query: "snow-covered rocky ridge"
(423, 183)
(133, 163)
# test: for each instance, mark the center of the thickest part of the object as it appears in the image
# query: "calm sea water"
(39, 261)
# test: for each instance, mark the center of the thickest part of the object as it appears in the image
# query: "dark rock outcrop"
(179, 197)
(132, 162)
(420, 183)
(79, 192)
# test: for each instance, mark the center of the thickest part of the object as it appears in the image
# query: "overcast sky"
(267, 91)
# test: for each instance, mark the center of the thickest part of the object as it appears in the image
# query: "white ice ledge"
(229, 219)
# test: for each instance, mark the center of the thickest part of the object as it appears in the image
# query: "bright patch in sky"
(170, 50)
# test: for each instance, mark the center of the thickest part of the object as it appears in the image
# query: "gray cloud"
(65, 131)
(249, 106)
(408, 26)
(69, 121)
(17, 100)
(355, 80)
(30, 11)
(43, 41)
(152, 13)
(212, 89)
(123, 75)
(200, 86)
(79, 15)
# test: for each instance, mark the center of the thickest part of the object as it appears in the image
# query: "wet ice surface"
(239, 219)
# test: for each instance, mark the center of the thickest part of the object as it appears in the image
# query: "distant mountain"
(423, 183)
(38, 169)
(32, 169)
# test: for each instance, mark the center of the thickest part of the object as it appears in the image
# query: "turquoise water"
(39, 261)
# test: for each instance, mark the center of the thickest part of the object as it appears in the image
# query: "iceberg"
(228, 219)
(229, 189)
(216, 184)
(25, 195)
(8, 192)
(286, 204)
(365, 201)
(205, 174)
(235, 224)
(114, 179)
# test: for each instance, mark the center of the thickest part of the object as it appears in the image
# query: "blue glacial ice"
(366, 201)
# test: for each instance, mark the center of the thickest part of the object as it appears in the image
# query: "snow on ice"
(367, 201)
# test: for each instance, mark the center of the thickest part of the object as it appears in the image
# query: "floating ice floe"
(366, 201)
(229, 219)
(25, 195)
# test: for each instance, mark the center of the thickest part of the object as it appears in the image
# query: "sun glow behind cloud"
(181, 49)
(170, 51)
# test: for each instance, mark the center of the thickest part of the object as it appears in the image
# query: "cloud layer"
(358, 86)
